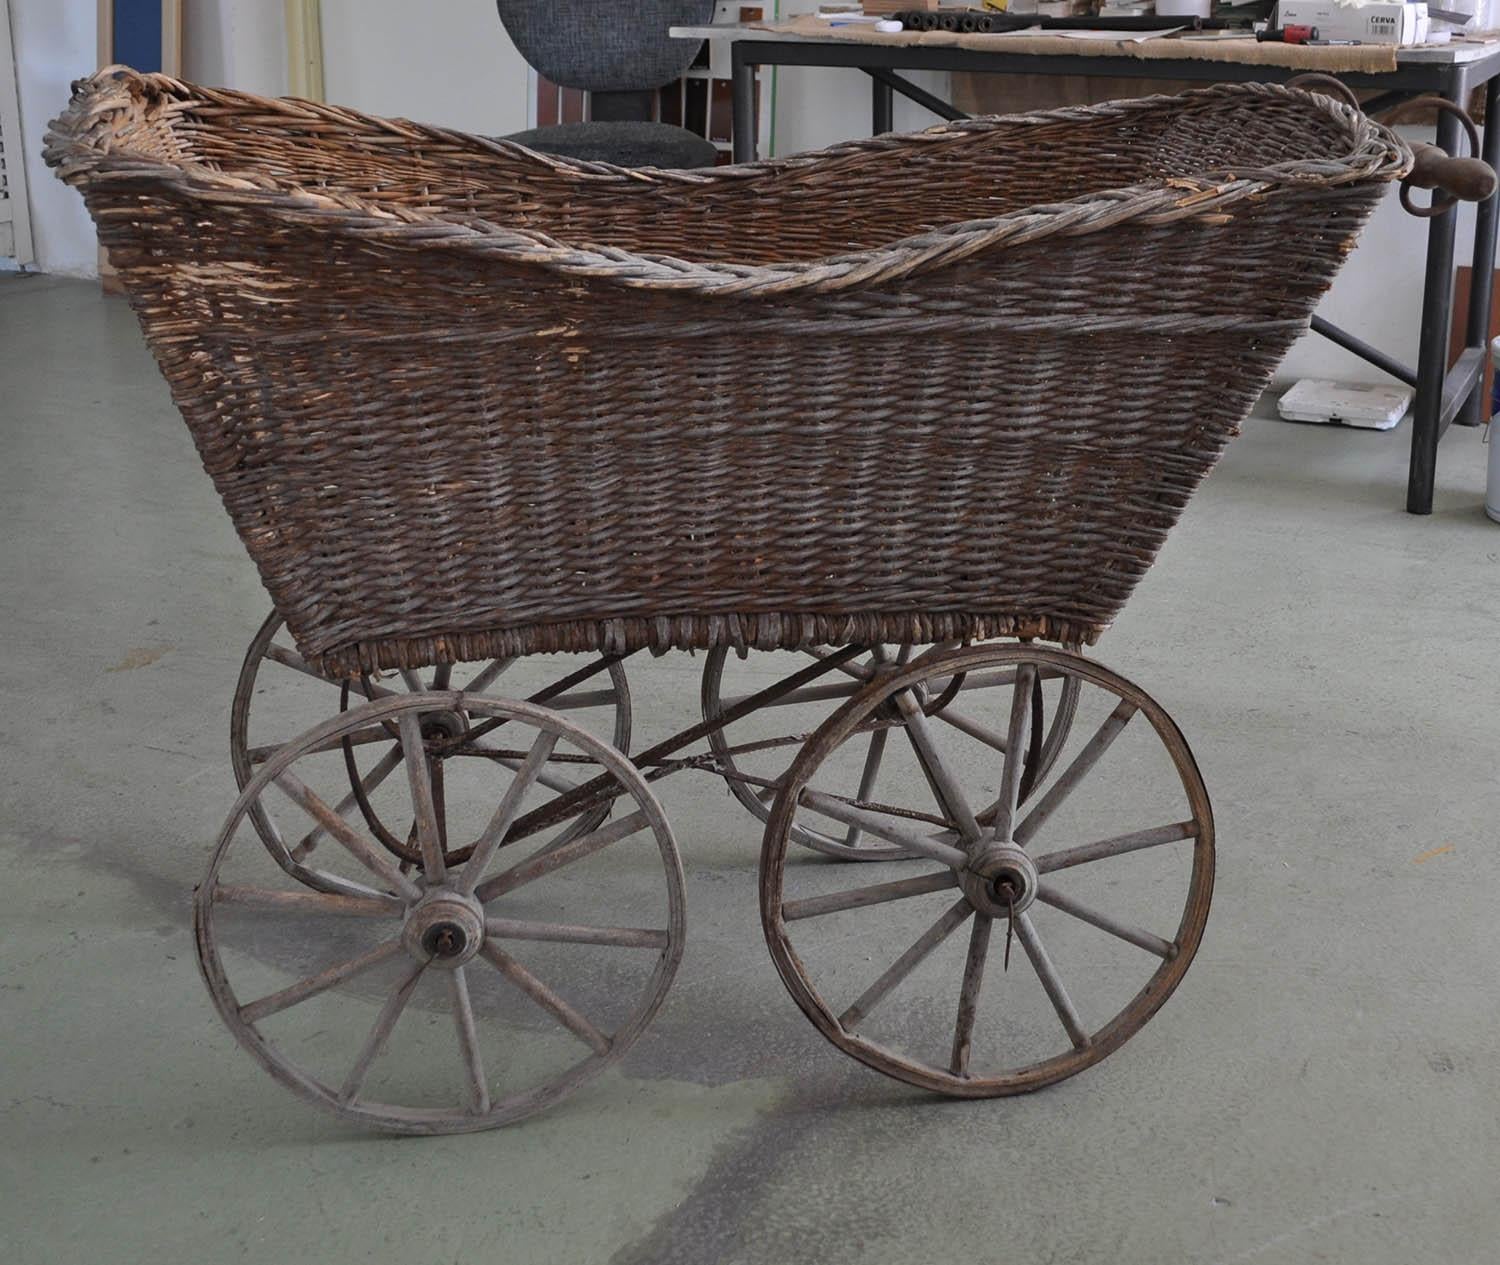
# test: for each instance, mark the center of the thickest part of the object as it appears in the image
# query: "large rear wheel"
(1102, 881)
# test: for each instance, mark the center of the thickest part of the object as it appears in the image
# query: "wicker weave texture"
(463, 400)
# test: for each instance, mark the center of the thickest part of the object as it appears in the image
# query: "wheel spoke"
(304, 901)
(419, 777)
(510, 805)
(944, 785)
(938, 686)
(564, 933)
(359, 738)
(583, 699)
(468, 1039)
(968, 994)
(804, 694)
(905, 964)
(487, 676)
(548, 858)
(360, 846)
(413, 680)
(877, 894)
(967, 724)
(549, 778)
(275, 1003)
(1047, 973)
(849, 668)
(1015, 753)
(1134, 935)
(545, 695)
(545, 997)
(867, 779)
(439, 807)
(441, 676)
(395, 1003)
(289, 658)
(1075, 772)
(891, 829)
(1156, 836)
(382, 770)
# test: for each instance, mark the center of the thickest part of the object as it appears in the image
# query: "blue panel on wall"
(138, 33)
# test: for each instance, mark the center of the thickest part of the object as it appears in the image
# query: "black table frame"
(1443, 395)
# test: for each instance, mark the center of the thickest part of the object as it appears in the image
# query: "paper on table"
(1122, 37)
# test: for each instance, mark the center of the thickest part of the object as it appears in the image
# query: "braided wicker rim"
(91, 143)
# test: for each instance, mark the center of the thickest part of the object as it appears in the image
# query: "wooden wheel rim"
(422, 1120)
(1057, 728)
(244, 768)
(1101, 1042)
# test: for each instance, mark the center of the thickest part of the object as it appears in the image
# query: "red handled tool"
(1288, 35)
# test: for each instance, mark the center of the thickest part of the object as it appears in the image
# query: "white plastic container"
(1184, 8)
(1492, 484)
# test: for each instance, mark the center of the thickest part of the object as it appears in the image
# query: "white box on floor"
(1380, 22)
(1346, 403)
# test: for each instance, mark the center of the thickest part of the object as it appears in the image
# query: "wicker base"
(696, 632)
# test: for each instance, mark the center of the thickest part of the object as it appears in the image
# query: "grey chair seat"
(627, 144)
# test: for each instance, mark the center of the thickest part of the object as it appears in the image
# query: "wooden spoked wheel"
(752, 775)
(279, 694)
(464, 996)
(1103, 883)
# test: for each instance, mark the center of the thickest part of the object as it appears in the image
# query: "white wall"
(819, 106)
(447, 62)
(235, 44)
(55, 43)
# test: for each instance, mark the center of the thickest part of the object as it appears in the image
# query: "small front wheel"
(448, 997)
(1098, 885)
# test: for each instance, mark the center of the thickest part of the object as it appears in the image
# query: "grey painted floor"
(1323, 1087)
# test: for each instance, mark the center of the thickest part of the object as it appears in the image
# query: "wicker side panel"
(432, 456)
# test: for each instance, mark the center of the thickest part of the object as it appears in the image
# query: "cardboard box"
(1381, 22)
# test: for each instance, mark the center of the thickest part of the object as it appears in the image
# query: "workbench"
(1444, 394)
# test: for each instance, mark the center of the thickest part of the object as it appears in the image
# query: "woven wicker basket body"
(465, 400)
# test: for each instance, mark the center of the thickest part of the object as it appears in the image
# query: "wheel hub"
(444, 928)
(444, 726)
(1001, 880)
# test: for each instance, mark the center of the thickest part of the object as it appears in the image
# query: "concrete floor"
(1323, 1087)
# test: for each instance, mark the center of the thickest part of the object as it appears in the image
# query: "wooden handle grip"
(1468, 179)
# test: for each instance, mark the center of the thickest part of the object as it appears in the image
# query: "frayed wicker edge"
(81, 157)
(693, 632)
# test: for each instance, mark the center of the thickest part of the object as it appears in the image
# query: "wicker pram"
(467, 402)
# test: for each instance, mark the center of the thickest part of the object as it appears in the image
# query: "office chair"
(618, 51)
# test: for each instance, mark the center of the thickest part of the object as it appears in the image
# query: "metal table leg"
(1432, 355)
(883, 108)
(1477, 333)
(742, 90)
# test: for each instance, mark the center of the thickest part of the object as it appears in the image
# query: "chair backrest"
(604, 45)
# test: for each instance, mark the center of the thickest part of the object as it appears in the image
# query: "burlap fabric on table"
(1005, 94)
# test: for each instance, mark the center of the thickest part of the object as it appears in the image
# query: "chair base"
(626, 144)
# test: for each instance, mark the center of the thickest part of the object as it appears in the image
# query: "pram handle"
(1461, 179)
(1451, 179)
